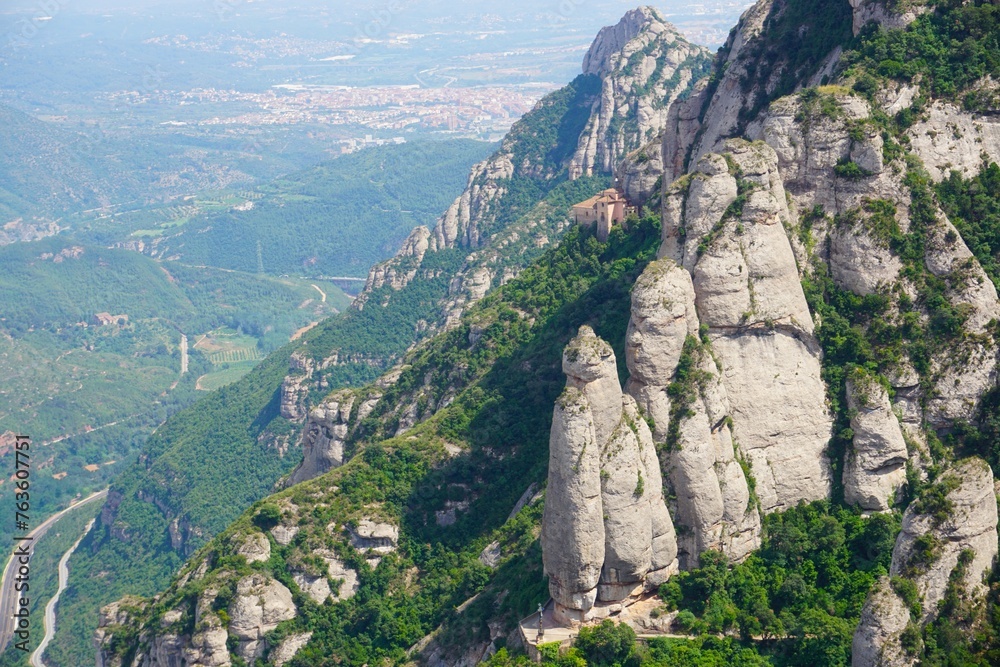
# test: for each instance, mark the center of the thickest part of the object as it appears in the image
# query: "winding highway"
(8, 596)
(50, 608)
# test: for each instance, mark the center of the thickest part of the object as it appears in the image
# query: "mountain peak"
(608, 50)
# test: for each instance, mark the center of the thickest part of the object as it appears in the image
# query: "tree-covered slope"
(504, 220)
(46, 172)
(506, 379)
(64, 372)
(814, 219)
(336, 219)
(247, 430)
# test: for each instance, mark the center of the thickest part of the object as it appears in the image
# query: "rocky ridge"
(642, 52)
(722, 346)
(726, 360)
(735, 219)
(630, 74)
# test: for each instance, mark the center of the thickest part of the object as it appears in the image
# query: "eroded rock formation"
(949, 538)
(713, 498)
(631, 73)
(606, 531)
(644, 52)
(724, 224)
(874, 470)
(324, 436)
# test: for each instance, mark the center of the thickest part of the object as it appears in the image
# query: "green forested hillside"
(43, 172)
(51, 291)
(190, 462)
(507, 381)
(793, 603)
(336, 219)
(519, 215)
(65, 373)
(242, 428)
(65, 376)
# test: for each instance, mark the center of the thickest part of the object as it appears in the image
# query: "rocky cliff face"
(735, 221)
(947, 545)
(253, 605)
(324, 436)
(631, 74)
(691, 416)
(784, 346)
(606, 532)
(642, 52)
(761, 201)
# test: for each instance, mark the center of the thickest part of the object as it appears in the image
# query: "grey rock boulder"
(875, 467)
(259, 605)
(883, 619)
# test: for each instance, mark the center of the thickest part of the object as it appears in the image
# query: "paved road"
(50, 608)
(184, 354)
(8, 596)
(322, 293)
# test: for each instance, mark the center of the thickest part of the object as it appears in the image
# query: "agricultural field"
(231, 354)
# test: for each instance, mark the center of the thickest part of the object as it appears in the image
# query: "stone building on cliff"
(605, 209)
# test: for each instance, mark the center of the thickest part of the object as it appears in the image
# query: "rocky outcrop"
(260, 604)
(725, 225)
(884, 618)
(808, 155)
(746, 276)
(324, 435)
(573, 525)
(875, 466)
(640, 174)
(337, 570)
(699, 124)
(295, 386)
(287, 649)
(967, 369)
(255, 547)
(887, 14)
(117, 614)
(374, 536)
(317, 585)
(744, 85)
(711, 490)
(642, 52)
(949, 538)
(606, 531)
(965, 520)
(949, 138)
(460, 225)
(208, 645)
(167, 645)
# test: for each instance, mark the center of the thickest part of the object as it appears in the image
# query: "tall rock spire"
(606, 531)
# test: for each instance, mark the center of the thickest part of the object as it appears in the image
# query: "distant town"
(484, 112)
